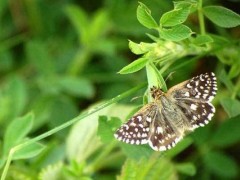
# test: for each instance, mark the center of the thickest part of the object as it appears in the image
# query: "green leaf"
(141, 48)
(234, 71)
(202, 39)
(135, 48)
(12, 98)
(85, 132)
(231, 106)
(17, 131)
(227, 82)
(176, 33)
(192, 5)
(227, 133)
(144, 16)
(220, 164)
(151, 168)
(134, 66)
(18, 94)
(80, 21)
(61, 110)
(76, 169)
(53, 172)
(106, 128)
(76, 86)
(201, 136)
(42, 106)
(128, 170)
(155, 78)
(174, 17)
(29, 151)
(43, 63)
(186, 168)
(136, 152)
(99, 24)
(222, 16)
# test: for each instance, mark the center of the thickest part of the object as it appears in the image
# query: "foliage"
(60, 59)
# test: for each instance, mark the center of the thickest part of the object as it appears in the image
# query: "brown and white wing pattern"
(194, 98)
(136, 129)
(163, 123)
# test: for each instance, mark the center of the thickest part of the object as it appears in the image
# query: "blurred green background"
(58, 58)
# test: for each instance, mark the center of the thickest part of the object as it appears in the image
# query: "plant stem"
(9, 159)
(201, 18)
(67, 124)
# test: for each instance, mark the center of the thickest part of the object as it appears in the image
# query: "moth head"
(156, 92)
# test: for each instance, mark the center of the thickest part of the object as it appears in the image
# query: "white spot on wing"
(159, 130)
(137, 142)
(193, 107)
(189, 86)
(132, 124)
(187, 94)
(210, 98)
(153, 147)
(162, 148)
(138, 134)
(149, 119)
(201, 124)
(139, 118)
(210, 116)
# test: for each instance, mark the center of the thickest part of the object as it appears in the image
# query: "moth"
(163, 122)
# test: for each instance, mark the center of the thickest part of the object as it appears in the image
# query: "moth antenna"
(169, 75)
(135, 98)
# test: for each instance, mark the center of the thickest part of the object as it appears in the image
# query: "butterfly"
(163, 122)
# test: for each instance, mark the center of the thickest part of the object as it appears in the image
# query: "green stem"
(67, 124)
(6, 167)
(201, 18)
(166, 67)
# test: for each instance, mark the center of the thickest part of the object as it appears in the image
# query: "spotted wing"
(163, 136)
(199, 88)
(136, 130)
(198, 113)
(193, 97)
